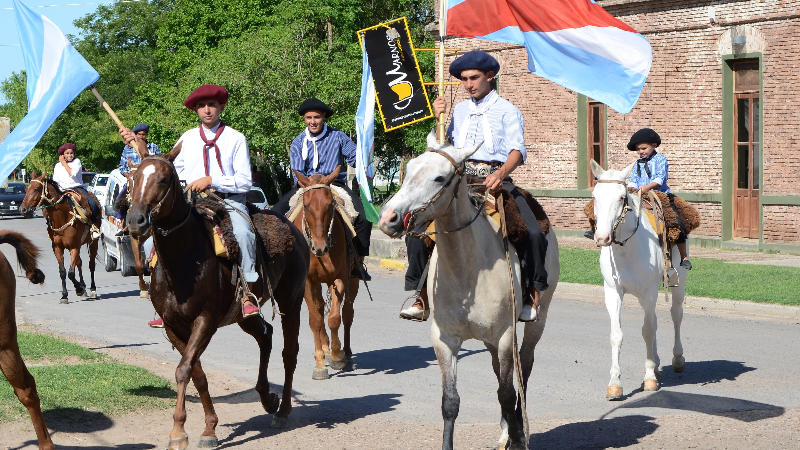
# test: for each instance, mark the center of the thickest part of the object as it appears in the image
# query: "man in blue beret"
(494, 121)
(128, 153)
(319, 149)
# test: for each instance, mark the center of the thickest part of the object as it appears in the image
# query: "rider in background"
(494, 121)
(68, 174)
(319, 149)
(652, 172)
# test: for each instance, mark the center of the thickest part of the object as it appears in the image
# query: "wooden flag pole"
(442, 27)
(113, 115)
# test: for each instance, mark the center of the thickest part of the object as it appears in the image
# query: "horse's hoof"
(93, 295)
(64, 301)
(178, 444)
(320, 374)
(144, 294)
(678, 364)
(80, 293)
(614, 392)
(650, 385)
(207, 442)
(279, 422)
(349, 365)
(337, 365)
(273, 407)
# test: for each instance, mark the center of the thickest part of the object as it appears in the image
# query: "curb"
(589, 291)
(393, 264)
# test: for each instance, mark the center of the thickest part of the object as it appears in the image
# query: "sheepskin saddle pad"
(690, 216)
(273, 231)
(342, 201)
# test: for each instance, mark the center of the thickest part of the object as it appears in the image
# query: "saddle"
(273, 232)
(688, 213)
(80, 205)
(515, 226)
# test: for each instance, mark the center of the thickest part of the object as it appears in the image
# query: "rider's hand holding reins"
(494, 181)
(199, 185)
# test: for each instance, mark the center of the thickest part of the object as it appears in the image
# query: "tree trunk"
(330, 35)
(408, 153)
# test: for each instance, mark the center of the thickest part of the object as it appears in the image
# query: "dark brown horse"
(65, 229)
(331, 260)
(191, 289)
(10, 360)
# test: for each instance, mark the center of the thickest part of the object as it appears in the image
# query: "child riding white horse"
(631, 262)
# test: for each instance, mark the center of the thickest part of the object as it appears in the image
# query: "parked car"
(256, 196)
(117, 251)
(87, 178)
(11, 196)
(98, 187)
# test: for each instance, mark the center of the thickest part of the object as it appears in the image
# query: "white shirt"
(65, 180)
(236, 174)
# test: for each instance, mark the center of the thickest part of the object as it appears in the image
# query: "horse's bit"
(626, 208)
(307, 228)
(459, 172)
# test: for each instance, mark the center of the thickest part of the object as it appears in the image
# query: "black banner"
(402, 99)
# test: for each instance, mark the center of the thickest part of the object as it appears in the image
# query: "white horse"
(468, 281)
(631, 262)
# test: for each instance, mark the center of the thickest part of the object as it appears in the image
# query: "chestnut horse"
(10, 360)
(66, 231)
(331, 260)
(191, 289)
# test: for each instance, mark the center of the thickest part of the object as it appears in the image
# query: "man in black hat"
(128, 153)
(319, 149)
(494, 121)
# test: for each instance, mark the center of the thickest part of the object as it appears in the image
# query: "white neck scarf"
(488, 101)
(313, 140)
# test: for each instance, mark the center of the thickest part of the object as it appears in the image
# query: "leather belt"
(481, 168)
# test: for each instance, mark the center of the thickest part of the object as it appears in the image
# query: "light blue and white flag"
(365, 137)
(56, 72)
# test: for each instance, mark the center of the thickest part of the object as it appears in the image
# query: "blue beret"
(476, 59)
(141, 127)
(647, 135)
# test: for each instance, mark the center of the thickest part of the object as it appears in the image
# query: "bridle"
(409, 219)
(626, 208)
(307, 227)
(46, 196)
(157, 208)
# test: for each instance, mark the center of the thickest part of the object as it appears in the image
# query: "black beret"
(644, 135)
(141, 127)
(313, 104)
(476, 59)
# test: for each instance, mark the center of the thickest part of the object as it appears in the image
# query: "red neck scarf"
(211, 143)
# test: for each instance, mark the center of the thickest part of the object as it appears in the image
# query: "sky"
(63, 16)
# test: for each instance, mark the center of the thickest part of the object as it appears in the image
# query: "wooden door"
(746, 160)
(597, 137)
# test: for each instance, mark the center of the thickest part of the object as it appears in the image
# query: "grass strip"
(708, 278)
(96, 383)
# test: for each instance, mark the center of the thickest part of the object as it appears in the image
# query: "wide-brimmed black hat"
(313, 104)
(476, 59)
(644, 135)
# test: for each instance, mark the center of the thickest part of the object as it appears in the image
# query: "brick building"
(721, 93)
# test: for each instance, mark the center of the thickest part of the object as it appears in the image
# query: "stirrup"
(425, 312)
(672, 278)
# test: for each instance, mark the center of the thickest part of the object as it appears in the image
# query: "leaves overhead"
(270, 55)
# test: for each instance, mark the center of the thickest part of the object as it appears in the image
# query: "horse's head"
(318, 210)
(610, 199)
(153, 190)
(428, 187)
(39, 191)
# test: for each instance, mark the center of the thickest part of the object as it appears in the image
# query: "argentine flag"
(365, 137)
(56, 72)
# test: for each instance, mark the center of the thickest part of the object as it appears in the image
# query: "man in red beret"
(216, 156)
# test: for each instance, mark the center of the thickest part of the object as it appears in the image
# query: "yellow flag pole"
(442, 11)
(113, 115)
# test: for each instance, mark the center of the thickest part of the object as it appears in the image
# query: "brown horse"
(65, 229)
(331, 260)
(191, 289)
(10, 360)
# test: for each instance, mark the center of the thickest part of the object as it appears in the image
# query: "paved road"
(734, 363)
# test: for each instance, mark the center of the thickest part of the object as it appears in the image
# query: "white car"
(256, 196)
(98, 187)
(116, 250)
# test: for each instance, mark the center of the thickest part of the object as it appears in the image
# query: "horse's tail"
(27, 254)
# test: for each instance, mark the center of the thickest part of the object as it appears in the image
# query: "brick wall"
(682, 100)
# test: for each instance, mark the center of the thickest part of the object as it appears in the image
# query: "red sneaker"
(158, 323)
(249, 309)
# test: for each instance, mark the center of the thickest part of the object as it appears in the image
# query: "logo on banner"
(401, 96)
